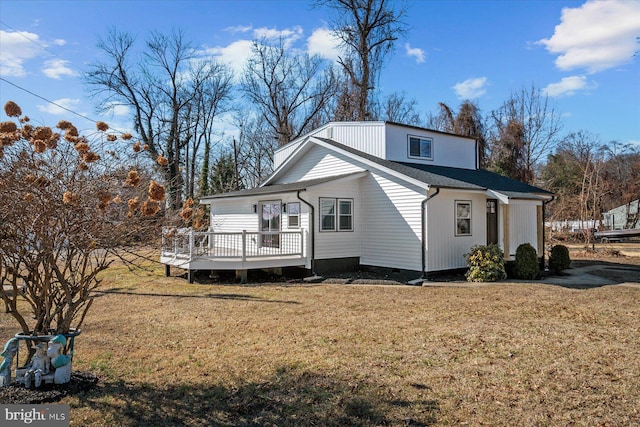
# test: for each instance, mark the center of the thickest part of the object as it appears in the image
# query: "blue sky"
(581, 53)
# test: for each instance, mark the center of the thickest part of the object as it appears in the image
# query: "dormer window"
(420, 148)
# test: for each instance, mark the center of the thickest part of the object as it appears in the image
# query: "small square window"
(420, 148)
(293, 215)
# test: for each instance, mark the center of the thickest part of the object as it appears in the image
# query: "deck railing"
(190, 244)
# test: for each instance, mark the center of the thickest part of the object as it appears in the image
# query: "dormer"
(396, 142)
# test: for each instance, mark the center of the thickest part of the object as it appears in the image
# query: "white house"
(365, 193)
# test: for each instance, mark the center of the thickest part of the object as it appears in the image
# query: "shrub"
(526, 266)
(559, 258)
(486, 264)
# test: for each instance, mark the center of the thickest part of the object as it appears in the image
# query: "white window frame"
(327, 201)
(421, 140)
(462, 214)
(341, 215)
(336, 203)
(297, 216)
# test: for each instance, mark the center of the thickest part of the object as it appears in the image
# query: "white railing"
(186, 243)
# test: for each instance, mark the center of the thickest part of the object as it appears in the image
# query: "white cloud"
(598, 35)
(57, 109)
(17, 47)
(234, 55)
(416, 52)
(288, 35)
(324, 43)
(567, 86)
(471, 88)
(118, 110)
(239, 29)
(56, 68)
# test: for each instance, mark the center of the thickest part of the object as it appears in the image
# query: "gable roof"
(282, 188)
(423, 174)
(450, 177)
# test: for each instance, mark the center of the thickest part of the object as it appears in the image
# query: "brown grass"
(170, 353)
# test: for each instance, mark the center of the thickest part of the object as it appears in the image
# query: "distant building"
(625, 216)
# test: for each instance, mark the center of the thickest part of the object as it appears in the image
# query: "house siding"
(447, 150)
(392, 223)
(337, 244)
(387, 212)
(445, 250)
(319, 162)
(523, 224)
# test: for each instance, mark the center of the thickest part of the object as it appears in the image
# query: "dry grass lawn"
(168, 354)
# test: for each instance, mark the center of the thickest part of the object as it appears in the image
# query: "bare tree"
(368, 30)
(163, 88)
(211, 84)
(397, 108)
(290, 90)
(540, 123)
(467, 122)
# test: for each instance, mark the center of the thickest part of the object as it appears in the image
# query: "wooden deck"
(241, 251)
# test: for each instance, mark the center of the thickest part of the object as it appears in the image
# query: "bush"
(559, 258)
(526, 266)
(486, 264)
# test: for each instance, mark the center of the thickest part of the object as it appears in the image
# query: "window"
(463, 218)
(336, 214)
(345, 217)
(293, 214)
(420, 148)
(327, 214)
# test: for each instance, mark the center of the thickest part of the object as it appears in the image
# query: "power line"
(54, 103)
(21, 34)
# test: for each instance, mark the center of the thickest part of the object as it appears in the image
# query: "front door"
(270, 224)
(492, 221)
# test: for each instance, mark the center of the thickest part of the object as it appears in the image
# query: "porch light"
(284, 208)
(254, 208)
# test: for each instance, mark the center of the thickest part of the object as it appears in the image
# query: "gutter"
(423, 212)
(311, 230)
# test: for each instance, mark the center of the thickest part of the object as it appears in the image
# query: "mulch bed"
(17, 394)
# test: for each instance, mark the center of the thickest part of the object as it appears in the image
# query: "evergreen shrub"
(526, 266)
(486, 264)
(559, 258)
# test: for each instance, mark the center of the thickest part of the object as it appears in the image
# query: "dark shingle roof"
(484, 178)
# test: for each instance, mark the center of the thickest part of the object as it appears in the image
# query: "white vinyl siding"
(337, 244)
(444, 249)
(319, 162)
(392, 223)
(446, 149)
(522, 224)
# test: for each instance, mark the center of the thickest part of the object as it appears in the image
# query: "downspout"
(423, 243)
(544, 213)
(311, 231)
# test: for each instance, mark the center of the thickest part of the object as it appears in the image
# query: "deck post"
(242, 275)
(244, 245)
(301, 243)
(192, 242)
